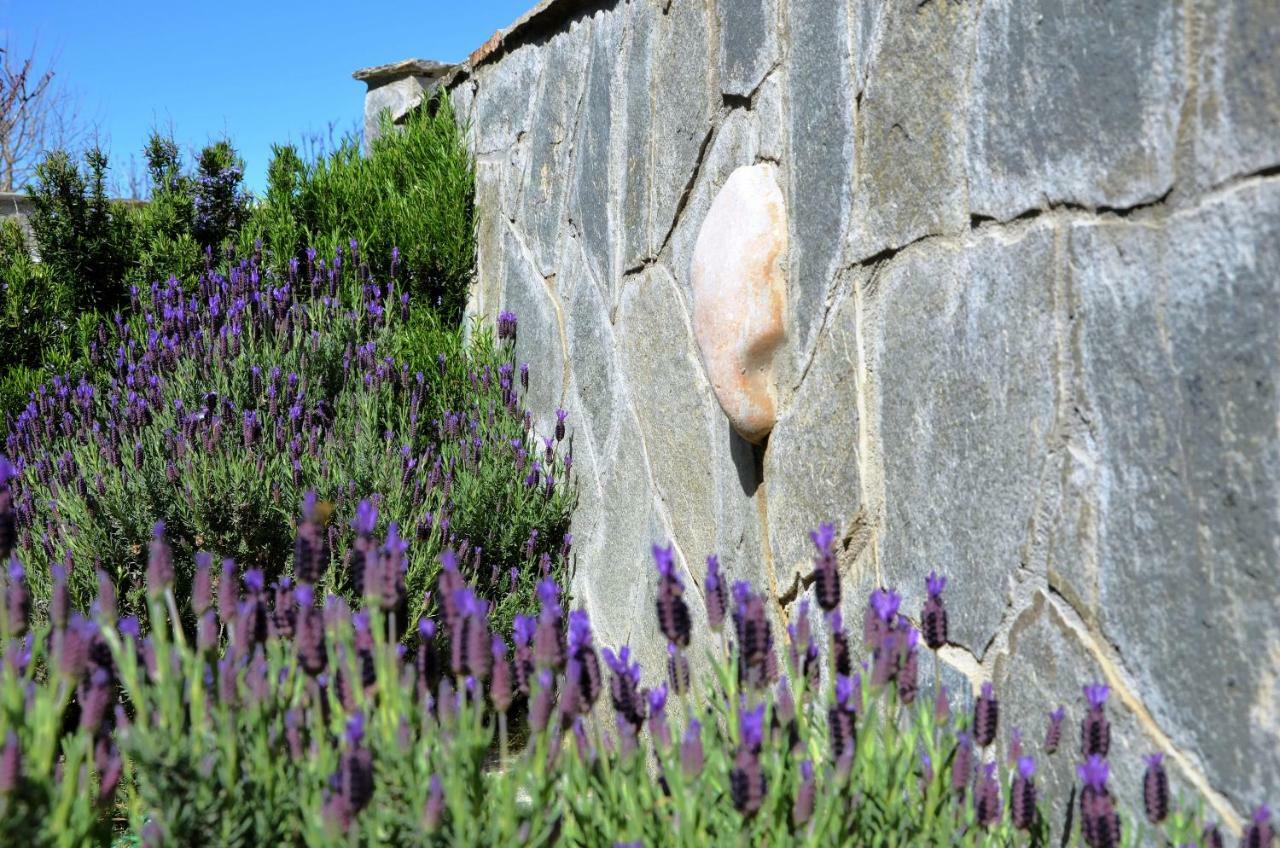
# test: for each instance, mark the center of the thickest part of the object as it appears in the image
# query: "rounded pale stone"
(740, 295)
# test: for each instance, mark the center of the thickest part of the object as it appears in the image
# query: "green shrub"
(414, 192)
(84, 238)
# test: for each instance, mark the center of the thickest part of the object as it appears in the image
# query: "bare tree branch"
(36, 115)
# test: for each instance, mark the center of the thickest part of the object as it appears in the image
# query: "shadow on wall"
(748, 459)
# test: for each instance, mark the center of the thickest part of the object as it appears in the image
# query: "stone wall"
(17, 206)
(1032, 329)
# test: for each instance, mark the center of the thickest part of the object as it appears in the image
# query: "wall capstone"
(740, 294)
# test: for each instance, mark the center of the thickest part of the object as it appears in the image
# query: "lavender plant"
(216, 408)
(292, 720)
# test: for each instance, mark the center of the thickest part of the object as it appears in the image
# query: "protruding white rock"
(740, 296)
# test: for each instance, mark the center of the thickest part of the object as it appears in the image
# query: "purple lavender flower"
(561, 415)
(1260, 833)
(500, 686)
(434, 809)
(755, 639)
(506, 325)
(159, 563)
(691, 756)
(1099, 821)
(986, 716)
(581, 652)
(624, 685)
(657, 698)
(1095, 730)
(523, 633)
(1155, 790)
(933, 619)
(1053, 734)
(17, 599)
(841, 658)
(673, 613)
(842, 730)
(747, 782)
(962, 764)
(8, 519)
(310, 546)
(356, 768)
(826, 575)
(10, 764)
(541, 701)
(1022, 795)
(717, 592)
(986, 797)
(802, 807)
(549, 648)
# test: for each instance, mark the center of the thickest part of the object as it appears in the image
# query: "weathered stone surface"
(748, 43)
(676, 412)
(538, 341)
(503, 111)
(1238, 98)
(637, 95)
(821, 160)
(965, 383)
(1073, 105)
(910, 145)
(1179, 379)
(395, 97)
(681, 118)
(592, 348)
(486, 289)
(739, 296)
(593, 210)
(812, 466)
(1078, 405)
(556, 107)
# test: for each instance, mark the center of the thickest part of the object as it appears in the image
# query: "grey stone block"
(812, 466)
(682, 113)
(910, 179)
(821, 158)
(556, 107)
(1238, 95)
(1178, 376)
(963, 367)
(1074, 103)
(748, 43)
(673, 404)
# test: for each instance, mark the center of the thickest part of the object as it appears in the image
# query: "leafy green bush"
(214, 413)
(413, 192)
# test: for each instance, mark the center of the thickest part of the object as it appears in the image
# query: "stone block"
(1074, 103)
(681, 115)
(821, 157)
(962, 360)
(539, 339)
(910, 179)
(673, 404)
(1178, 377)
(1238, 96)
(542, 213)
(748, 43)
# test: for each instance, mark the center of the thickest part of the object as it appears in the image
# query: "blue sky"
(257, 72)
